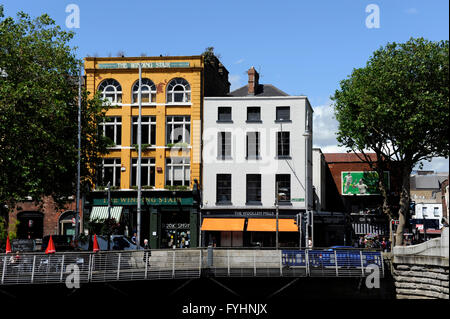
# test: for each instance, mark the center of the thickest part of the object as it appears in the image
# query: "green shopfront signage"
(361, 183)
(154, 201)
(148, 65)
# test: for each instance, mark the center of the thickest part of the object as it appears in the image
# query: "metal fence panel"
(157, 264)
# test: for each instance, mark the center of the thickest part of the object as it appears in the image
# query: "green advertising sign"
(148, 65)
(362, 183)
(152, 201)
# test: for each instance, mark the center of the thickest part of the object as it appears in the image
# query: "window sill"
(224, 158)
(283, 121)
(143, 104)
(224, 204)
(284, 203)
(253, 121)
(178, 103)
(249, 158)
(224, 121)
(281, 157)
(253, 204)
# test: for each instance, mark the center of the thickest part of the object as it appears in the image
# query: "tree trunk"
(404, 206)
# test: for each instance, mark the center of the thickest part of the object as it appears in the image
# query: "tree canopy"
(39, 112)
(398, 107)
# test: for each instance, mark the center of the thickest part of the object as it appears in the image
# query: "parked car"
(62, 243)
(118, 242)
(23, 245)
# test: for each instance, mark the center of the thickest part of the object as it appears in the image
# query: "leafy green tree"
(398, 107)
(39, 113)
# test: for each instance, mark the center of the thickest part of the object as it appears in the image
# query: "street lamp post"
(276, 213)
(108, 189)
(77, 216)
(139, 136)
(307, 136)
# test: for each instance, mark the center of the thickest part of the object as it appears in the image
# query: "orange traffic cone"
(50, 247)
(8, 245)
(95, 248)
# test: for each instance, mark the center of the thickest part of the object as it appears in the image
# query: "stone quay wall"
(422, 271)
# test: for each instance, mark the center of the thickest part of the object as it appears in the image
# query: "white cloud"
(437, 164)
(239, 61)
(235, 81)
(325, 127)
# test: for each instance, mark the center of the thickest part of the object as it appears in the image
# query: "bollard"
(210, 256)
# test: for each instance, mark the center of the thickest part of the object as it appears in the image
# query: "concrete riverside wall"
(222, 258)
(422, 271)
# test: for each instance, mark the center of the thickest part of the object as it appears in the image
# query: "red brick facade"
(50, 212)
(444, 192)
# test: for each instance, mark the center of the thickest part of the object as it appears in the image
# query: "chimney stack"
(253, 81)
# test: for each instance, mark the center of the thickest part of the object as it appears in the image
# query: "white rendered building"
(254, 140)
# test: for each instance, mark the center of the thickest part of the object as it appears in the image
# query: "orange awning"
(270, 224)
(223, 224)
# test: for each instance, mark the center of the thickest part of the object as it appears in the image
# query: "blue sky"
(302, 47)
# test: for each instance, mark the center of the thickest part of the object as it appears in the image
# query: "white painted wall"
(318, 167)
(268, 165)
(430, 211)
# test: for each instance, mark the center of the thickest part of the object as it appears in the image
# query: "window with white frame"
(178, 91)
(111, 171)
(148, 130)
(178, 171)
(148, 92)
(178, 129)
(424, 212)
(253, 145)
(224, 145)
(147, 171)
(436, 211)
(111, 91)
(111, 127)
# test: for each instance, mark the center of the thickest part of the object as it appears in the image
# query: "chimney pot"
(253, 81)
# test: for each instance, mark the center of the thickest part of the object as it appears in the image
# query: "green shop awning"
(101, 212)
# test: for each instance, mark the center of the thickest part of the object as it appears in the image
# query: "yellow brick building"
(172, 100)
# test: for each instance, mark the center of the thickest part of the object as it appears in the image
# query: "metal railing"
(103, 266)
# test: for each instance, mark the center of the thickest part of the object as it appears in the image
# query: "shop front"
(168, 218)
(249, 228)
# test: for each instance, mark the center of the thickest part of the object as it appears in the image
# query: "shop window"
(111, 91)
(148, 130)
(178, 91)
(148, 92)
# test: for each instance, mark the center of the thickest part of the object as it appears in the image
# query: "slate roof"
(346, 157)
(262, 90)
(427, 181)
